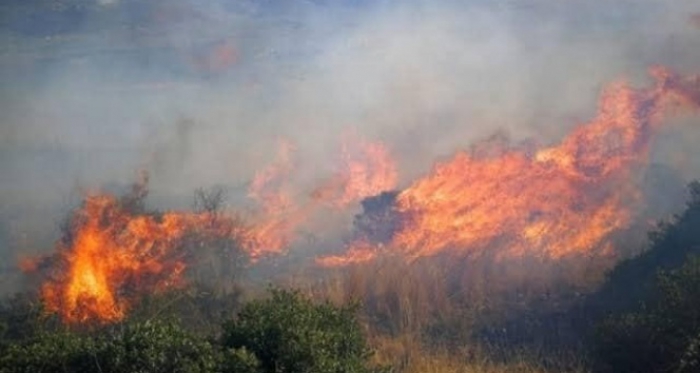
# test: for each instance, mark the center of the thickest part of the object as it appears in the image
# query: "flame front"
(545, 201)
(114, 253)
(366, 168)
(113, 256)
(275, 225)
(548, 201)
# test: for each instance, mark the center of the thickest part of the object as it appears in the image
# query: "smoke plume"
(368, 95)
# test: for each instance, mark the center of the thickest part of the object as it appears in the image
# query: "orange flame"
(269, 184)
(358, 252)
(113, 255)
(275, 227)
(366, 169)
(551, 201)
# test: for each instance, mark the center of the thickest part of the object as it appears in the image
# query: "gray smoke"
(198, 93)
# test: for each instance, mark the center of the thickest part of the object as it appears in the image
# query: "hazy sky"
(198, 93)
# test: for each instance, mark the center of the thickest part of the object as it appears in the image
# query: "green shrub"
(632, 281)
(662, 335)
(148, 347)
(240, 360)
(285, 333)
(51, 352)
(156, 346)
(289, 333)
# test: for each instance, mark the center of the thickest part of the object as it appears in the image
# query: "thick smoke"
(200, 93)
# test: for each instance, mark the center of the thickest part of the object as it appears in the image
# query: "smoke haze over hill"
(201, 94)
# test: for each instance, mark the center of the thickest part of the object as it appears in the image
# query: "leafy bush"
(21, 318)
(289, 333)
(285, 333)
(151, 347)
(648, 310)
(632, 281)
(51, 352)
(156, 346)
(662, 335)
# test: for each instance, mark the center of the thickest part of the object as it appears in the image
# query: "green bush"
(285, 333)
(156, 346)
(240, 360)
(21, 317)
(648, 310)
(152, 346)
(289, 333)
(632, 280)
(51, 352)
(662, 335)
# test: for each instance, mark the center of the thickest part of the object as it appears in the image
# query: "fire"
(269, 184)
(115, 251)
(366, 168)
(113, 255)
(275, 226)
(543, 201)
(547, 201)
(358, 252)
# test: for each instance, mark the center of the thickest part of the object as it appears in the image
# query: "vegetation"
(141, 347)
(438, 315)
(645, 314)
(648, 311)
(632, 281)
(662, 335)
(289, 333)
(441, 315)
(285, 333)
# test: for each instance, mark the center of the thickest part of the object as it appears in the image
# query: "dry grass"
(406, 355)
(420, 317)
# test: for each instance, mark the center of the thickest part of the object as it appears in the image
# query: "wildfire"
(366, 169)
(115, 251)
(269, 184)
(112, 255)
(280, 216)
(547, 201)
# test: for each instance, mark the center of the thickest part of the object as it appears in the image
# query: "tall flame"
(547, 201)
(366, 168)
(114, 252)
(276, 224)
(112, 255)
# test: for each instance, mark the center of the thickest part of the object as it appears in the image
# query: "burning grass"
(545, 201)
